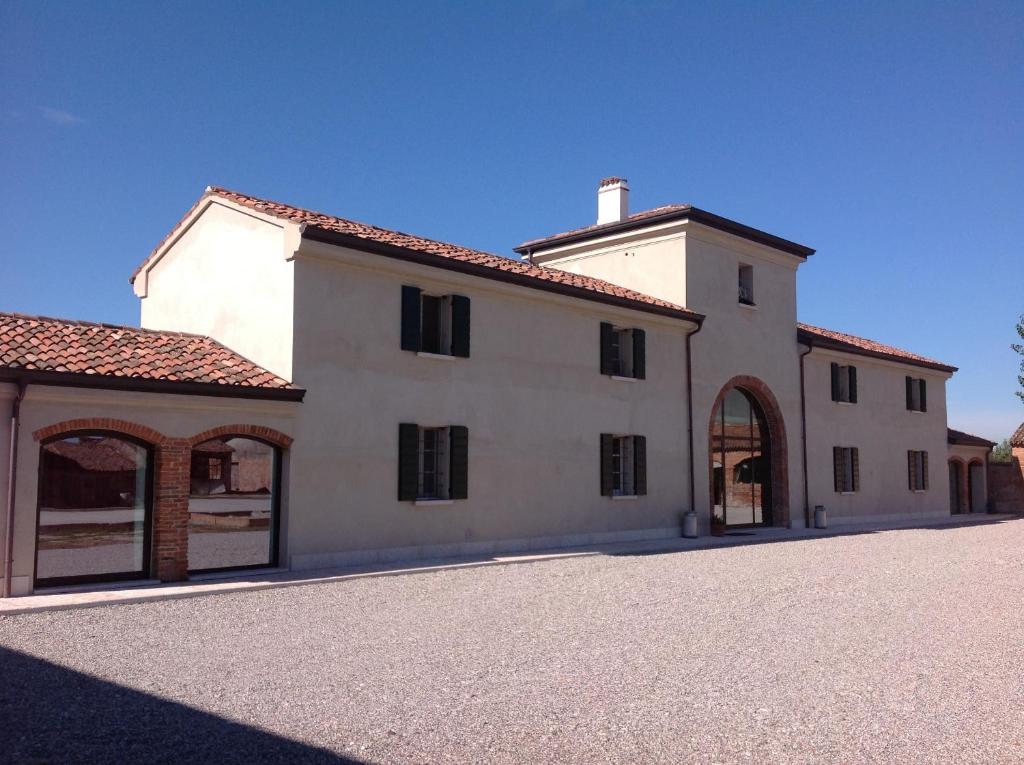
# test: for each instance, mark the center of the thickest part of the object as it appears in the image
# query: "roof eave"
(836, 345)
(327, 236)
(148, 385)
(691, 213)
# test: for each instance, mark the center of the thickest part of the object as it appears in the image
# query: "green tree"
(1002, 452)
(1019, 348)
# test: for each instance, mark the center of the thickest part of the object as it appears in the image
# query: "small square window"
(746, 285)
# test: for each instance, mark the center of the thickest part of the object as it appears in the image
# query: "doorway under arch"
(747, 456)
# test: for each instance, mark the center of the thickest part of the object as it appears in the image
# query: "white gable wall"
(225, 275)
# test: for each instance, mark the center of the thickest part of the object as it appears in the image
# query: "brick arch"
(124, 427)
(261, 432)
(776, 435)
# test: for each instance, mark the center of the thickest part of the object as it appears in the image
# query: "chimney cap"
(610, 181)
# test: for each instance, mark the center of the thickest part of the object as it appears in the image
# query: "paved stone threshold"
(266, 579)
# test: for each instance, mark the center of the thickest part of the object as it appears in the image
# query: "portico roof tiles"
(43, 344)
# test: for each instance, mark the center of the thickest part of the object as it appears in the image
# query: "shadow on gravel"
(50, 714)
(752, 538)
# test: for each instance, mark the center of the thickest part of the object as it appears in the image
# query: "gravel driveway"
(901, 646)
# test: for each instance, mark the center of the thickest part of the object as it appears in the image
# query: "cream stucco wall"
(226, 274)
(170, 414)
(697, 266)
(883, 430)
(531, 394)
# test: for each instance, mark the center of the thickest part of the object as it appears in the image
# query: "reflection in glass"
(232, 504)
(93, 509)
(740, 463)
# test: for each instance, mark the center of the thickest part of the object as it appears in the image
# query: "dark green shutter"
(410, 318)
(607, 349)
(835, 381)
(853, 384)
(458, 441)
(924, 396)
(911, 469)
(924, 469)
(640, 465)
(910, 393)
(855, 462)
(460, 326)
(837, 468)
(606, 465)
(639, 354)
(408, 461)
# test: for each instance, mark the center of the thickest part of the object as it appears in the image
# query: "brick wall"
(1006, 484)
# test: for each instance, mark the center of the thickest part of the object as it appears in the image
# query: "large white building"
(308, 391)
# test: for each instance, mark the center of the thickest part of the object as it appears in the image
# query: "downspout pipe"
(12, 474)
(803, 436)
(689, 409)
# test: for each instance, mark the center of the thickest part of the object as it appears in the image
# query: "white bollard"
(690, 525)
(820, 517)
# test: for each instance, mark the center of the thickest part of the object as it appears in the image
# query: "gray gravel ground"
(895, 647)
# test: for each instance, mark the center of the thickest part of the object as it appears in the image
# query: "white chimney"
(612, 200)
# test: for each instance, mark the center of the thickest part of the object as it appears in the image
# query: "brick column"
(170, 510)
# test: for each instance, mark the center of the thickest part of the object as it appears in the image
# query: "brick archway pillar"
(171, 457)
(776, 435)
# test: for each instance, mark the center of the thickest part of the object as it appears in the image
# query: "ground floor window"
(623, 465)
(95, 509)
(917, 470)
(233, 505)
(846, 469)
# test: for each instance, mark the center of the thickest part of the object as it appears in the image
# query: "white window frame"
(915, 394)
(847, 487)
(746, 285)
(439, 455)
(444, 325)
(623, 467)
(919, 477)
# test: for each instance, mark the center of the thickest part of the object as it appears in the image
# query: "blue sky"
(887, 135)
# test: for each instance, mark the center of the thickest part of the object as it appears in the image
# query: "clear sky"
(889, 136)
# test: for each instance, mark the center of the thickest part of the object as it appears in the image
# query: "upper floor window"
(917, 470)
(746, 291)
(844, 383)
(917, 398)
(623, 351)
(437, 324)
(623, 465)
(433, 462)
(846, 469)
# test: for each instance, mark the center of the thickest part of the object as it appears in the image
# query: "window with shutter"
(846, 469)
(433, 463)
(623, 352)
(844, 383)
(917, 395)
(917, 470)
(435, 324)
(623, 465)
(458, 440)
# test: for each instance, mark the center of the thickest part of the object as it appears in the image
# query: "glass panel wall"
(233, 504)
(94, 509)
(740, 462)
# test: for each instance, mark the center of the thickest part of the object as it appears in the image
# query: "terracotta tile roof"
(852, 344)
(107, 455)
(966, 439)
(663, 214)
(1017, 439)
(527, 273)
(42, 344)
